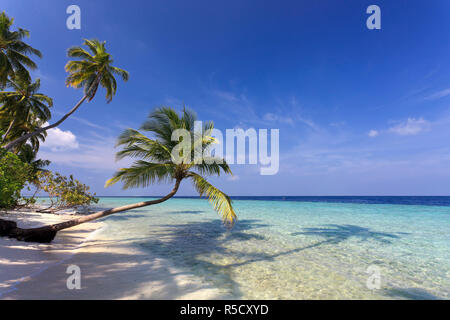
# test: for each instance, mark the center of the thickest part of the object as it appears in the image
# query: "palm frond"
(135, 144)
(79, 52)
(212, 166)
(14, 56)
(142, 174)
(120, 72)
(220, 201)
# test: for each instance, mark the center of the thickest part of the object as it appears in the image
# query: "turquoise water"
(298, 250)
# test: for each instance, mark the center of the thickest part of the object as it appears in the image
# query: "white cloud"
(410, 127)
(59, 140)
(95, 152)
(373, 133)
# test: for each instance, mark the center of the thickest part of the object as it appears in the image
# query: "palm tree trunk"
(47, 233)
(9, 129)
(10, 145)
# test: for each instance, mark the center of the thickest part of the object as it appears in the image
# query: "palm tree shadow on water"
(334, 233)
(124, 217)
(189, 246)
(200, 248)
(410, 294)
(187, 212)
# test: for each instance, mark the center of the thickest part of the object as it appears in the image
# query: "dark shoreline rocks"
(40, 235)
(6, 227)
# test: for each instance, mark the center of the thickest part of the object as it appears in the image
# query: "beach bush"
(64, 192)
(13, 176)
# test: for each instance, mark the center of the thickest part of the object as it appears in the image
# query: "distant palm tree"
(14, 59)
(93, 70)
(21, 127)
(28, 155)
(156, 164)
(23, 101)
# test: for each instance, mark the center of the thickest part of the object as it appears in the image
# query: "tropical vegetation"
(14, 175)
(63, 192)
(25, 113)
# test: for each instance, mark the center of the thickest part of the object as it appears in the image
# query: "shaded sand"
(20, 261)
(109, 270)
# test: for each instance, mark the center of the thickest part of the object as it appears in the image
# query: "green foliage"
(22, 109)
(25, 98)
(14, 53)
(13, 176)
(64, 192)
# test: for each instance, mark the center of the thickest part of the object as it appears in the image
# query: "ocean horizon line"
(389, 200)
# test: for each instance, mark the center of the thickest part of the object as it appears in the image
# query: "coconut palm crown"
(94, 69)
(24, 100)
(155, 162)
(14, 52)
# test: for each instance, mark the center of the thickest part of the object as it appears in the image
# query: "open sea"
(299, 247)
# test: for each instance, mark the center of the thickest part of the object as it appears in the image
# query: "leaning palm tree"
(156, 162)
(93, 70)
(24, 100)
(158, 159)
(14, 53)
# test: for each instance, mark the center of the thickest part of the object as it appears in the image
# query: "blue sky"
(360, 112)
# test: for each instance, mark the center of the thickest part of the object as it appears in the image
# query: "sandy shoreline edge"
(110, 268)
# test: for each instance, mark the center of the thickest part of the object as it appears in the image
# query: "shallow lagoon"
(297, 250)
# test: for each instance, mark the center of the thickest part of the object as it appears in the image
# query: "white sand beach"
(38, 271)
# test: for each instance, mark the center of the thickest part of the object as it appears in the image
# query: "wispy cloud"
(234, 105)
(439, 94)
(277, 118)
(84, 122)
(88, 123)
(353, 156)
(227, 95)
(283, 111)
(410, 127)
